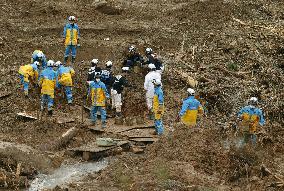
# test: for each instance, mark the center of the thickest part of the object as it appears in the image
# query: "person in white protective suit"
(149, 87)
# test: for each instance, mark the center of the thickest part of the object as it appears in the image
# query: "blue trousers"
(25, 84)
(248, 138)
(94, 110)
(68, 92)
(71, 48)
(159, 126)
(46, 100)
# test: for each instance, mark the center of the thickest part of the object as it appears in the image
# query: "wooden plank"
(62, 120)
(26, 116)
(5, 94)
(94, 148)
(144, 139)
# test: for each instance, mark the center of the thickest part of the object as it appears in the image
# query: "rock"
(98, 3)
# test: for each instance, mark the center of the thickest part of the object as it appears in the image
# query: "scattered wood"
(136, 150)
(144, 139)
(26, 116)
(65, 120)
(280, 179)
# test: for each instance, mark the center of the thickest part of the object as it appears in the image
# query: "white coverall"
(149, 87)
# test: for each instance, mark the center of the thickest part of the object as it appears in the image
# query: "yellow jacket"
(47, 81)
(65, 75)
(29, 71)
(98, 93)
(71, 34)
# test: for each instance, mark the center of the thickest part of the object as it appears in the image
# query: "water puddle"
(66, 174)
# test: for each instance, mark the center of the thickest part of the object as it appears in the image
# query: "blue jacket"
(252, 111)
(189, 103)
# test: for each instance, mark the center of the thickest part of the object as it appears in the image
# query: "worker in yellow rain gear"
(28, 73)
(158, 106)
(190, 108)
(98, 93)
(47, 82)
(250, 117)
(65, 81)
(71, 36)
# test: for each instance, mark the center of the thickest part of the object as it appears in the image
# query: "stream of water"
(66, 174)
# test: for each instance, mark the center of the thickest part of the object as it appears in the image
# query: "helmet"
(131, 48)
(95, 61)
(156, 82)
(190, 91)
(148, 50)
(125, 68)
(58, 63)
(50, 63)
(253, 101)
(39, 55)
(109, 64)
(152, 66)
(37, 63)
(71, 18)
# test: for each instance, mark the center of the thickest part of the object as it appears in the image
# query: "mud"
(233, 48)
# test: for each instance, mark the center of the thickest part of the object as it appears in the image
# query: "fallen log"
(65, 138)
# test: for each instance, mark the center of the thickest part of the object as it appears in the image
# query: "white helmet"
(39, 55)
(95, 61)
(131, 48)
(37, 63)
(58, 63)
(109, 63)
(71, 18)
(156, 82)
(125, 68)
(190, 91)
(253, 101)
(152, 66)
(148, 50)
(50, 63)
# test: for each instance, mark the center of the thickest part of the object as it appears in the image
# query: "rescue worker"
(190, 108)
(119, 83)
(148, 54)
(149, 87)
(98, 94)
(106, 75)
(250, 116)
(28, 73)
(158, 63)
(47, 82)
(71, 36)
(133, 58)
(65, 75)
(94, 69)
(40, 57)
(158, 107)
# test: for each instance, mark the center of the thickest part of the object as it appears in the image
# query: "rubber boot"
(65, 60)
(50, 112)
(73, 60)
(103, 124)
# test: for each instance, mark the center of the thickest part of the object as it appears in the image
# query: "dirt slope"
(233, 48)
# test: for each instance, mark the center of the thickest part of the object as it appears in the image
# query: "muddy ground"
(233, 48)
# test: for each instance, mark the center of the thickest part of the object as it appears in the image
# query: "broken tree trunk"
(65, 138)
